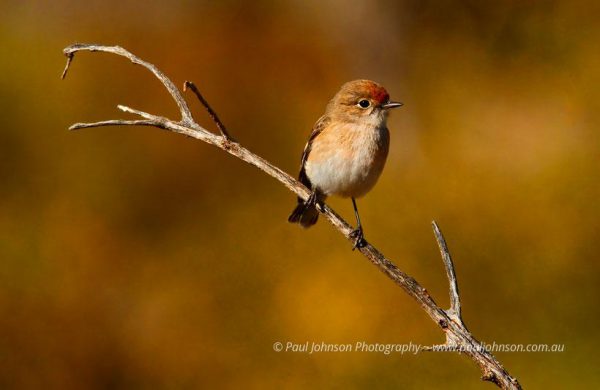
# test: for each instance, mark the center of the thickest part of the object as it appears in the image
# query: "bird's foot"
(312, 199)
(359, 239)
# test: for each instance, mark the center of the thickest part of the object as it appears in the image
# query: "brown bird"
(346, 151)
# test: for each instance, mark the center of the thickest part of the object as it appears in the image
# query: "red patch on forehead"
(379, 94)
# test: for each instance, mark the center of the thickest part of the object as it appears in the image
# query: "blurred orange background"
(138, 258)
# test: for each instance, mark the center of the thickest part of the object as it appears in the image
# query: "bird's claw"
(312, 199)
(359, 239)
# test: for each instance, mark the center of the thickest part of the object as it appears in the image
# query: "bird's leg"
(312, 199)
(357, 234)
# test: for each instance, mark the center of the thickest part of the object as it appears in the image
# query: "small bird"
(346, 151)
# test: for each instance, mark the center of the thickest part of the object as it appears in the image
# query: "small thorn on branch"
(213, 115)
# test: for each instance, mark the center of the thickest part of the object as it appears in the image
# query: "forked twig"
(457, 335)
(186, 114)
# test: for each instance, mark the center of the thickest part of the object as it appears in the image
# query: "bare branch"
(457, 336)
(114, 122)
(186, 115)
(454, 310)
(211, 112)
(67, 65)
(138, 112)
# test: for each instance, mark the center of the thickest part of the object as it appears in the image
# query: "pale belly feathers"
(350, 163)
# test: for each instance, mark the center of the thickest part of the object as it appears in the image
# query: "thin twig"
(211, 112)
(113, 122)
(67, 66)
(186, 114)
(457, 334)
(449, 265)
(136, 112)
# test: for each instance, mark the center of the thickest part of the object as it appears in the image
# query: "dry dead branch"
(458, 338)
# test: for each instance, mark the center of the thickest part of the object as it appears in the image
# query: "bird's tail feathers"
(304, 214)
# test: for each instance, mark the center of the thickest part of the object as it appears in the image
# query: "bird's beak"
(389, 105)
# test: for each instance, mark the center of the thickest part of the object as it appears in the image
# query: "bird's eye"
(364, 103)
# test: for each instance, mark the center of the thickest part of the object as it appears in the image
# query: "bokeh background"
(138, 258)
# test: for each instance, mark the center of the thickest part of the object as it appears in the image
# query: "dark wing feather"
(306, 214)
(317, 129)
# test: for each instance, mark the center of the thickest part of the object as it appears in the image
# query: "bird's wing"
(317, 129)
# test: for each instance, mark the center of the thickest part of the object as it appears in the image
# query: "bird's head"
(361, 101)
